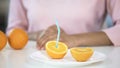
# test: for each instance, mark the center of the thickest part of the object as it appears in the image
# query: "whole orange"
(17, 38)
(56, 52)
(3, 40)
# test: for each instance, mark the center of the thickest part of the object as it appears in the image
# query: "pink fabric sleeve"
(17, 16)
(113, 7)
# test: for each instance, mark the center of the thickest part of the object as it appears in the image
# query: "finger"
(39, 42)
(40, 34)
(40, 37)
(43, 48)
(52, 29)
(46, 39)
(49, 38)
(42, 41)
(38, 47)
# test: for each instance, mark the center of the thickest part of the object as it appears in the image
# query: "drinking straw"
(58, 35)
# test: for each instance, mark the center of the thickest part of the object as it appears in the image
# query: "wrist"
(73, 41)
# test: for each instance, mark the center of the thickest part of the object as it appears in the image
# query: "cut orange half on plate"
(81, 54)
(56, 52)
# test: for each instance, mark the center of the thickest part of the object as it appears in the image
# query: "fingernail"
(42, 48)
(38, 48)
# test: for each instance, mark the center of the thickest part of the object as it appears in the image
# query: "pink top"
(74, 16)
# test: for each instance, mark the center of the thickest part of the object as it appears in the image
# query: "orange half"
(81, 54)
(56, 52)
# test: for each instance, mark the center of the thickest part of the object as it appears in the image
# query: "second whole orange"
(17, 38)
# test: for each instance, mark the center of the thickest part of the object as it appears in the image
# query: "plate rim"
(70, 64)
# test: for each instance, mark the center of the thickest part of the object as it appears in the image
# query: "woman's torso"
(74, 16)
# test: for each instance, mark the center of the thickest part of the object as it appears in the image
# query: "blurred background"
(4, 4)
(4, 8)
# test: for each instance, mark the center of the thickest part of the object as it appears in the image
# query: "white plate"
(68, 60)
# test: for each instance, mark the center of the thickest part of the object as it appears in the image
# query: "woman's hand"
(51, 34)
(83, 39)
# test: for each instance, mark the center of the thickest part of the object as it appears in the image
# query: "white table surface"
(10, 58)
